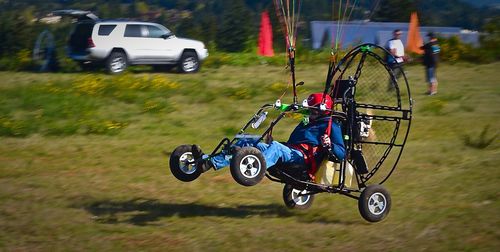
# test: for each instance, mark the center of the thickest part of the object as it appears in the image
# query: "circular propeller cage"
(378, 105)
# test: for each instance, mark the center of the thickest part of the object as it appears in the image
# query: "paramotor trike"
(374, 108)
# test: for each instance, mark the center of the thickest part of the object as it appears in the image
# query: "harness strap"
(308, 154)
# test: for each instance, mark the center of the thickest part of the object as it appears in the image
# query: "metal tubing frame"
(350, 106)
(366, 49)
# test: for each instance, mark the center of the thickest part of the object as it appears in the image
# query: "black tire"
(182, 164)
(116, 62)
(189, 63)
(248, 166)
(294, 201)
(374, 203)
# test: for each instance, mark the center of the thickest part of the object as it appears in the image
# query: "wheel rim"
(377, 203)
(117, 64)
(250, 166)
(186, 162)
(298, 198)
(190, 64)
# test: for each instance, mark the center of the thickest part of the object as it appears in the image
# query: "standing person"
(308, 144)
(431, 58)
(397, 51)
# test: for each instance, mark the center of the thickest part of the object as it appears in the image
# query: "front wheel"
(297, 199)
(248, 166)
(374, 203)
(182, 164)
(189, 62)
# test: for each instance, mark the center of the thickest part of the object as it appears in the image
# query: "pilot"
(308, 144)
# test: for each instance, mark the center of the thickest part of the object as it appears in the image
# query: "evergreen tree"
(209, 26)
(190, 29)
(16, 33)
(395, 10)
(236, 28)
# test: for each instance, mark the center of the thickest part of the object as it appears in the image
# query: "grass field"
(84, 166)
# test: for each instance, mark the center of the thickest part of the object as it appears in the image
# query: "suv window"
(105, 30)
(154, 32)
(133, 30)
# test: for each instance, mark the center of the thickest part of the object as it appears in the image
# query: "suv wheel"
(116, 63)
(189, 62)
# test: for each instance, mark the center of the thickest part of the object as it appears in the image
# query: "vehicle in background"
(116, 44)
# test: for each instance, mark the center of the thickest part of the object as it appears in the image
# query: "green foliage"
(453, 50)
(140, 7)
(66, 64)
(16, 33)
(218, 59)
(394, 10)
(20, 61)
(491, 40)
(234, 31)
(482, 141)
(51, 110)
(73, 108)
(61, 127)
(16, 128)
(454, 13)
(315, 56)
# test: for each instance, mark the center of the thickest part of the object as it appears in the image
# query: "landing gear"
(182, 164)
(374, 203)
(248, 166)
(297, 199)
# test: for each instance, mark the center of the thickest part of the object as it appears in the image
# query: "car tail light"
(90, 43)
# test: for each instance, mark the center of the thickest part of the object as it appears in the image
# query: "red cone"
(265, 36)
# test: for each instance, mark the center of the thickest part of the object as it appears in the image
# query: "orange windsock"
(414, 41)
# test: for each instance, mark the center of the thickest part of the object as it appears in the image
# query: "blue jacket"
(311, 133)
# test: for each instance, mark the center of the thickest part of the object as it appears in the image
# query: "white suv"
(118, 44)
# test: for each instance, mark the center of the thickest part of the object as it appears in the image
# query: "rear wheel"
(374, 203)
(182, 164)
(116, 63)
(189, 62)
(297, 199)
(248, 166)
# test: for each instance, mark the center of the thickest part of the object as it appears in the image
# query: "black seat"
(297, 171)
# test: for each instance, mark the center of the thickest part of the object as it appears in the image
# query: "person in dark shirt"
(430, 61)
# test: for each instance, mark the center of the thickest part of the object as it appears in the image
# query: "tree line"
(227, 25)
